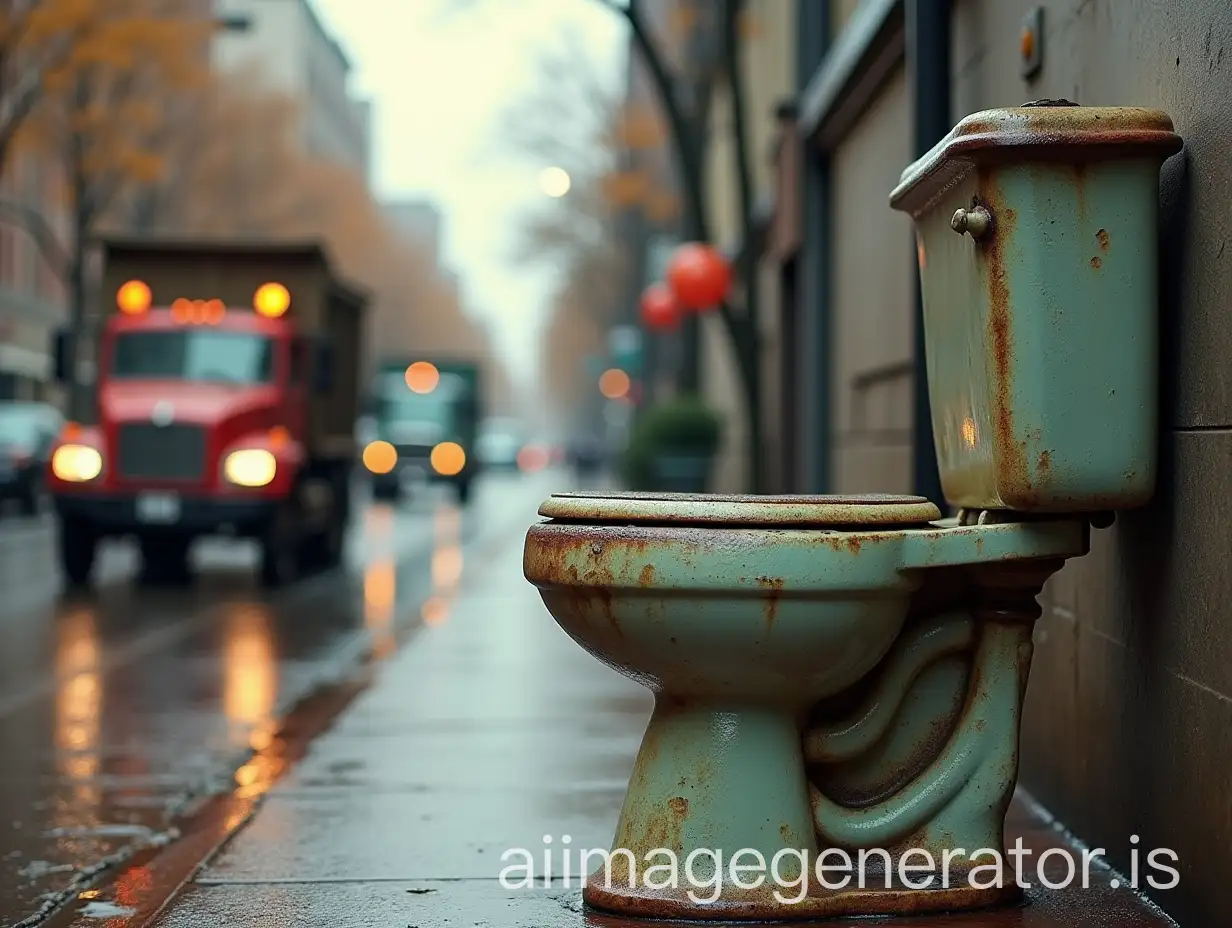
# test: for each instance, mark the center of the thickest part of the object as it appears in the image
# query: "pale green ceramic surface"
(841, 673)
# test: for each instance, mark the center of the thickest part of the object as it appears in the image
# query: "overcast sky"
(438, 84)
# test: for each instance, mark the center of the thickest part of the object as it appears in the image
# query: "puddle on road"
(103, 831)
(41, 868)
(104, 909)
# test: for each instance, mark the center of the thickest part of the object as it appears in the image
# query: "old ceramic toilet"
(847, 673)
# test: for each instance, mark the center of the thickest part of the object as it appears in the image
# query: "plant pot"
(681, 471)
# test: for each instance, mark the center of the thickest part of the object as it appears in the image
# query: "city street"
(123, 711)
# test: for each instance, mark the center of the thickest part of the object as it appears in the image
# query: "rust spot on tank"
(1096, 263)
(646, 577)
(785, 831)
(1012, 473)
(1080, 190)
(1102, 237)
(853, 544)
(1044, 466)
(679, 806)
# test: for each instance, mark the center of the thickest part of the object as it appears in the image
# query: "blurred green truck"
(424, 416)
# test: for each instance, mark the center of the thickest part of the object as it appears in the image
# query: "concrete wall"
(1129, 713)
(287, 45)
(274, 42)
(872, 293)
(33, 300)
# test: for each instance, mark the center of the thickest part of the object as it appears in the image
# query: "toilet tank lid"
(1044, 129)
(869, 510)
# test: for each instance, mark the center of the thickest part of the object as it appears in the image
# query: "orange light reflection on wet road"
(380, 581)
(250, 668)
(447, 563)
(78, 714)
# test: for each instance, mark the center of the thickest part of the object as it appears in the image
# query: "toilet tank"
(1037, 246)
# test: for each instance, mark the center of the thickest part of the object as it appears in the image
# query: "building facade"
(286, 44)
(1127, 735)
(421, 222)
(33, 298)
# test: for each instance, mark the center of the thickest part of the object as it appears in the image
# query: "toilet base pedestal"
(717, 824)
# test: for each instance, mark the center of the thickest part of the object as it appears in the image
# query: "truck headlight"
(76, 463)
(448, 459)
(250, 467)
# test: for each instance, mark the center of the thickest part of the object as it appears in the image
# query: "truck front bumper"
(416, 461)
(133, 514)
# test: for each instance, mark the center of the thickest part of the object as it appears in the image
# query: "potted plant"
(672, 446)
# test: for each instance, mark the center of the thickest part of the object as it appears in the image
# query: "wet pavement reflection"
(123, 708)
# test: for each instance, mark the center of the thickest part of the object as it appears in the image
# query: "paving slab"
(487, 732)
(485, 904)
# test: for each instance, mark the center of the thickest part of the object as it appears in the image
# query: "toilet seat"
(734, 511)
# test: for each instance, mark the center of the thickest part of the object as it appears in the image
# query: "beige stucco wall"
(872, 293)
(769, 76)
(1129, 716)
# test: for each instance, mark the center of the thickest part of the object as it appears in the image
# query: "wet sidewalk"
(488, 732)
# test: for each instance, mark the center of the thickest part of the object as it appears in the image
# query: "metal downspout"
(812, 468)
(928, 61)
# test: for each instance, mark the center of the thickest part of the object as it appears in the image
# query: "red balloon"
(699, 276)
(659, 307)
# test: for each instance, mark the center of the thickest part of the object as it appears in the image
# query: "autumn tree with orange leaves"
(119, 95)
(233, 166)
(99, 110)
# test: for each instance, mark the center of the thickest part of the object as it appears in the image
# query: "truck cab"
(222, 405)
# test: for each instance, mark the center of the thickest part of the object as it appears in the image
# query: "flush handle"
(977, 221)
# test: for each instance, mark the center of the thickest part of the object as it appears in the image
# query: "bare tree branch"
(31, 221)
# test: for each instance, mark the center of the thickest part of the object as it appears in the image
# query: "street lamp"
(614, 384)
(555, 182)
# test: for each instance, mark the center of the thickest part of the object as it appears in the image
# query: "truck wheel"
(386, 491)
(280, 549)
(77, 547)
(324, 551)
(29, 503)
(165, 560)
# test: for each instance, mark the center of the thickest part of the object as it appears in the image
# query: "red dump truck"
(225, 401)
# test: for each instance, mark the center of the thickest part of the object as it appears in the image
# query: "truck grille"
(161, 452)
(414, 452)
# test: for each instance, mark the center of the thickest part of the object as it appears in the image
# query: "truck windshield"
(197, 354)
(411, 407)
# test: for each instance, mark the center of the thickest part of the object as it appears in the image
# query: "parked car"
(500, 442)
(27, 433)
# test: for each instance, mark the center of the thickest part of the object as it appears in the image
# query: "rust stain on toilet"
(1044, 466)
(774, 587)
(1000, 329)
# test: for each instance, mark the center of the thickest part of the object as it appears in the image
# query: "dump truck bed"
(322, 305)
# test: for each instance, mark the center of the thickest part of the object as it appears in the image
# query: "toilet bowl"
(838, 680)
